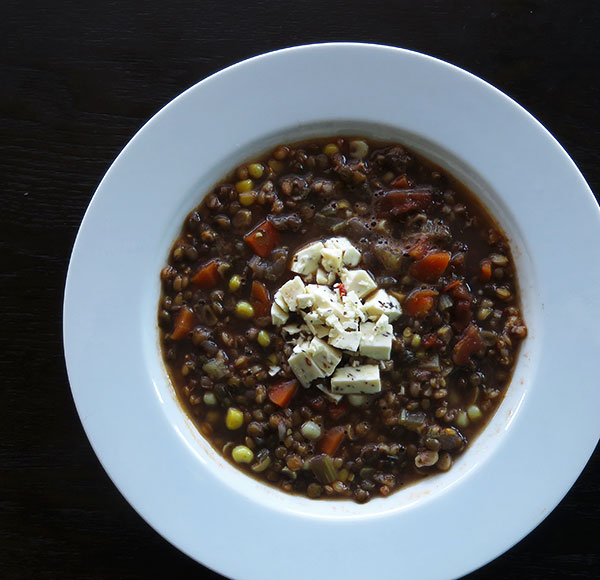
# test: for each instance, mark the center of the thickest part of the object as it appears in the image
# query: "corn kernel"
(247, 198)
(234, 283)
(244, 310)
(330, 149)
(244, 185)
(256, 170)
(242, 454)
(234, 419)
(263, 338)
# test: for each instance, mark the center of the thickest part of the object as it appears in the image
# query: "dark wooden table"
(77, 80)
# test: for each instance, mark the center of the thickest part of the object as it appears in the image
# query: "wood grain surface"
(77, 80)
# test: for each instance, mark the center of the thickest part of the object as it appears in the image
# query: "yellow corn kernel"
(256, 170)
(244, 185)
(234, 419)
(242, 454)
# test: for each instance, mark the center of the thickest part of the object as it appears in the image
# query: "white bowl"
(509, 479)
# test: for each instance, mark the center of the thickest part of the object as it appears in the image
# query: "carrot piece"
(263, 238)
(431, 267)
(281, 393)
(260, 299)
(401, 181)
(469, 343)
(338, 410)
(451, 286)
(486, 270)
(331, 441)
(420, 248)
(183, 323)
(207, 276)
(419, 303)
(402, 201)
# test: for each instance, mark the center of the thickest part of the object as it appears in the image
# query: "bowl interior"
(205, 457)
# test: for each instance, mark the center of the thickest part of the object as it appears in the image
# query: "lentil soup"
(340, 318)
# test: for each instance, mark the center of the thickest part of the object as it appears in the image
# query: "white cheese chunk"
(290, 291)
(304, 368)
(358, 281)
(306, 261)
(278, 299)
(292, 329)
(351, 257)
(324, 277)
(361, 379)
(324, 356)
(331, 259)
(315, 324)
(332, 396)
(344, 339)
(305, 300)
(376, 339)
(278, 315)
(381, 302)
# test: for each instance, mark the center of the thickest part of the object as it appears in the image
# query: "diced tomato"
(207, 276)
(331, 441)
(420, 302)
(341, 290)
(317, 403)
(402, 201)
(469, 343)
(263, 238)
(184, 323)
(281, 393)
(461, 292)
(260, 299)
(431, 267)
(486, 270)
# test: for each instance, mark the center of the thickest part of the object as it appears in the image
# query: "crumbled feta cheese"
(328, 393)
(278, 315)
(305, 300)
(376, 339)
(361, 379)
(324, 277)
(358, 281)
(331, 259)
(323, 355)
(344, 339)
(304, 368)
(306, 261)
(381, 302)
(290, 291)
(292, 329)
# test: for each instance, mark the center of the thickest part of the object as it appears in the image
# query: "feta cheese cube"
(305, 300)
(376, 339)
(304, 368)
(306, 261)
(315, 324)
(328, 393)
(358, 281)
(323, 355)
(291, 290)
(278, 315)
(324, 277)
(361, 379)
(382, 303)
(278, 299)
(344, 339)
(331, 259)
(351, 257)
